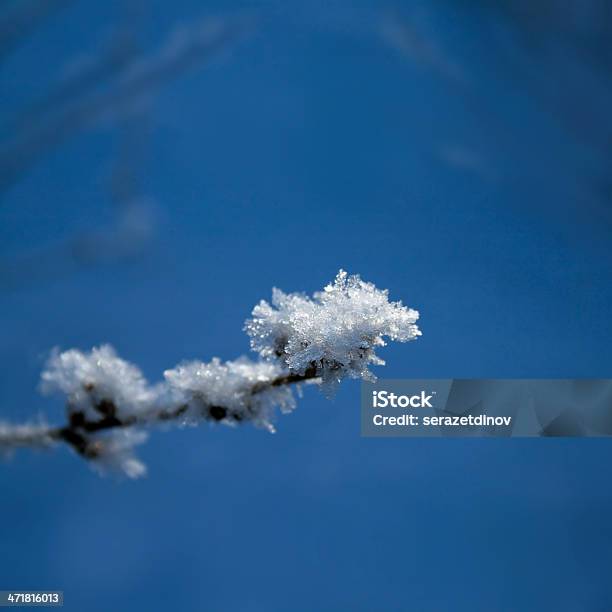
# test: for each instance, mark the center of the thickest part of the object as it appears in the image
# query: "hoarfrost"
(114, 453)
(93, 381)
(335, 332)
(233, 391)
(328, 337)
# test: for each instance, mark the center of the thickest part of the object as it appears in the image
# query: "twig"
(77, 432)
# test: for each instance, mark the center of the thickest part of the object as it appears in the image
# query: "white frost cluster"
(115, 453)
(27, 434)
(89, 379)
(336, 332)
(233, 391)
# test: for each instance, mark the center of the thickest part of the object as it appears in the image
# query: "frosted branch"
(299, 339)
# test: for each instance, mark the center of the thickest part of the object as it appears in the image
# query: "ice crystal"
(26, 434)
(114, 452)
(98, 381)
(231, 391)
(335, 332)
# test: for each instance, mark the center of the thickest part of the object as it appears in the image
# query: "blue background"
(469, 179)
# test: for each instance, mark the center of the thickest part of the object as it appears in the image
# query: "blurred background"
(163, 165)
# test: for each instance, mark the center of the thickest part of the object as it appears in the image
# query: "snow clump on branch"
(336, 332)
(231, 392)
(94, 380)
